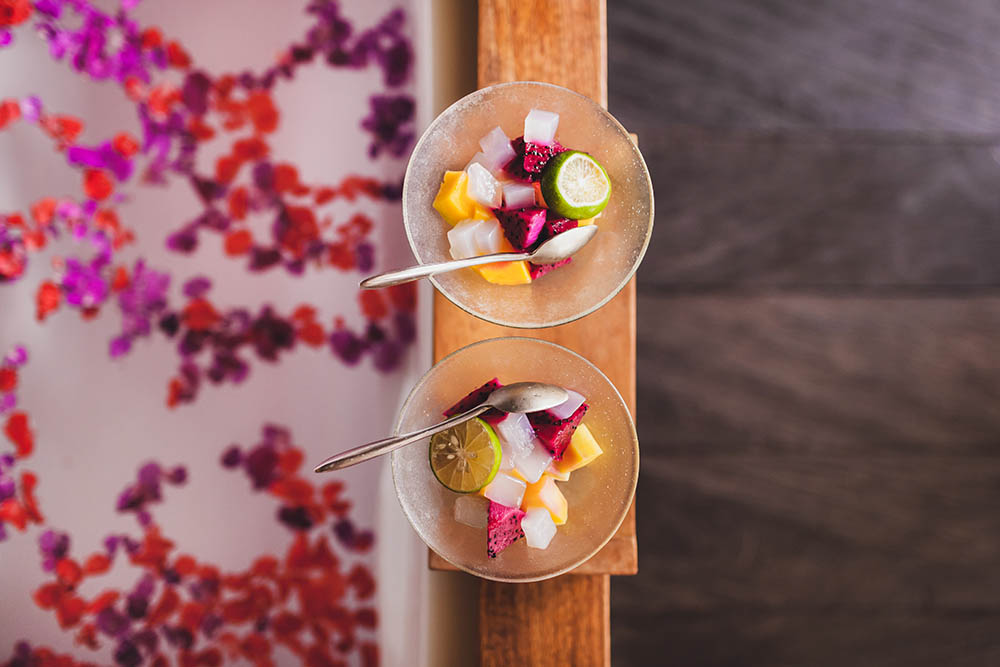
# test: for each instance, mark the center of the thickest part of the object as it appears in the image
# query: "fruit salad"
(515, 195)
(506, 468)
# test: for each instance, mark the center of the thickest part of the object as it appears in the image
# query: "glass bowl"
(599, 271)
(599, 495)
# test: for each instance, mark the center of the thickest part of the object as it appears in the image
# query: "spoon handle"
(423, 270)
(380, 447)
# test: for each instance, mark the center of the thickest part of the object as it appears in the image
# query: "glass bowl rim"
(635, 458)
(564, 320)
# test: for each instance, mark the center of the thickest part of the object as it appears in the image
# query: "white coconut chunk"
(538, 527)
(505, 490)
(540, 126)
(483, 187)
(531, 465)
(462, 239)
(518, 195)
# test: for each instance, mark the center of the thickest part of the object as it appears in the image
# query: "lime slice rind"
(466, 457)
(575, 185)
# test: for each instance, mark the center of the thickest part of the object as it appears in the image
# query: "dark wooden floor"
(819, 331)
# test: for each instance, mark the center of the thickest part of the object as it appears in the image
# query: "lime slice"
(465, 458)
(575, 185)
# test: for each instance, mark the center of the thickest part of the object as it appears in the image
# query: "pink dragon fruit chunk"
(536, 271)
(556, 225)
(555, 433)
(521, 226)
(530, 159)
(503, 528)
(474, 398)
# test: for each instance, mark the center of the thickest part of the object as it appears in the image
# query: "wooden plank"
(818, 639)
(828, 209)
(861, 64)
(515, 619)
(520, 628)
(804, 374)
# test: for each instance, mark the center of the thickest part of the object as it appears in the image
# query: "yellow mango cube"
(582, 450)
(506, 273)
(480, 212)
(585, 222)
(544, 493)
(452, 201)
(557, 475)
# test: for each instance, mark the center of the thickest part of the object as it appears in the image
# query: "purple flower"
(194, 93)
(6, 37)
(296, 518)
(261, 464)
(364, 255)
(197, 287)
(232, 457)
(18, 356)
(83, 285)
(347, 346)
(387, 122)
(387, 356)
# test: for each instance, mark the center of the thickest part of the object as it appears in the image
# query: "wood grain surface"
(818, 333)
(516, 620)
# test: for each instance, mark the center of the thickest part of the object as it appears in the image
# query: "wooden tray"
(562, 42)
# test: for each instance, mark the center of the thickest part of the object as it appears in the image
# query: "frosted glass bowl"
(599, 271)
(599, 495)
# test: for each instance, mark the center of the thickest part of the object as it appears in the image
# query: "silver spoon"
(556, 249)
(517, 397)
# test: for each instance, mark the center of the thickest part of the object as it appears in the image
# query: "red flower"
(372, 305)
(47, 299)
(8, 379)
(96, 184)
(97, 564)
(404, 297)
(200, 315)
(43, 209)
(20, 434)
(10, 110)
(125, 144)
(68, 571)
(239, 200)
(13, 12)
(13, 513)
(177, 56)
(238, 242)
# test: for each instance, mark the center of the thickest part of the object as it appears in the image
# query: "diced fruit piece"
(530, 159)
(462, 239)
(565, 410)
(506, 458)
(474, 398)
(489, 237)
(471, 510)
(585, 222)
(532, 464)
(451, 201)
(582, 450)
(539, 199)
(497, 150)
(518, 195)
(466, 457)
(480, 212)
(544, 493)
(482, 187)
(517, 433)
(575, 185)
(540, 126)
(521, 226)
(556, 434)
(478, 158)
(538, 528)
(506, 273)
(553, 471)
(503, 528)
(536, 271)
(555, 225)
(506, 490)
